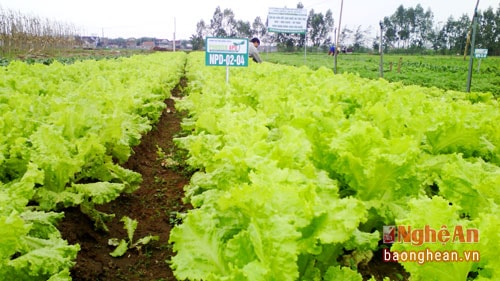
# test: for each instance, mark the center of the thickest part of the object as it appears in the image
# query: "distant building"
(148, 45)
(131, 43)
(163, 43)
(88, 42)
(180, 45)
(145, 43)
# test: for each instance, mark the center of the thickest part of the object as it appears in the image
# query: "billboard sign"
(285, 20)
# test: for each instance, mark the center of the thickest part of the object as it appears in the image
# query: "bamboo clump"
(28, 34)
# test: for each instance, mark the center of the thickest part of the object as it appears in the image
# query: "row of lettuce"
(299, 171)
(64, 130)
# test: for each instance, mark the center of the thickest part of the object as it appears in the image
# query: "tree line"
(409, 30)
(224, 24)
(413, 29)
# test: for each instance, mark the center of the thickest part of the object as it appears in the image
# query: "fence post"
(471, 60)
(381, 50)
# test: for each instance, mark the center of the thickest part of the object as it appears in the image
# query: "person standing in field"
(252, 50)
(331, 52)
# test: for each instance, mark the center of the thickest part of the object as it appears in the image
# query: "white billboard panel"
(287, 20)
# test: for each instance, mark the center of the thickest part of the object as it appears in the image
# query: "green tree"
(455, 32)
(329, 22)
(401, 25)
(359, 38)
(198, 39)
(243, 29)
(414, 28)
(229, 23)
(344, 36)
(489, 30)
(216, 23)
(426, 26)
(319, 27)
(409, 28)
(390, 33)
(496, 50)
(223, 23)
(421, 23)
(437, 38)
(259, 29)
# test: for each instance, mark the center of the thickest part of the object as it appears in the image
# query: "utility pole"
(173, 44)
(471, 59)
(334, 35)
(337, 39)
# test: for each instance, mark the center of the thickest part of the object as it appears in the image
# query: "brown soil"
(380, 269)
(153, 205)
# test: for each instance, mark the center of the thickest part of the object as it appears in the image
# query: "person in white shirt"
(252, 50)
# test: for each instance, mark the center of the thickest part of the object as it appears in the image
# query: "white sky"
(155, 18)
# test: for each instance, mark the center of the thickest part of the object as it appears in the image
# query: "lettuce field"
(285, 173)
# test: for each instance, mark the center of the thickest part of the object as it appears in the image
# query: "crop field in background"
(445, 72)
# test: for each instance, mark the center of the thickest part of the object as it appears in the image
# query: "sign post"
(480, 54)
(226, 52)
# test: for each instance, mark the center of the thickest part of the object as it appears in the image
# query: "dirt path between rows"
(153, 205)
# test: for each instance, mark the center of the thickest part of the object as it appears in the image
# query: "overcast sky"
(155, 18)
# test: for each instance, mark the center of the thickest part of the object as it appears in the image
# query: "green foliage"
(64, 130)
(31, 247)
(123, 245)
(438, 212)
(76, 122)
(297, 176)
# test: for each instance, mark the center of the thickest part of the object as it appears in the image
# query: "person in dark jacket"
(252, 50)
